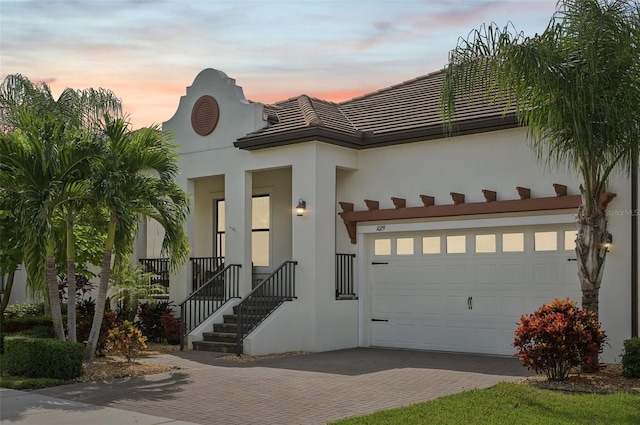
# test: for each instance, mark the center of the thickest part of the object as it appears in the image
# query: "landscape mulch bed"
(608, 380)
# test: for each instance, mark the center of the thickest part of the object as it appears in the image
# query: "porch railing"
(159, 269)
(203, 269)
(208, 298)
(345, 287)
(279, 287)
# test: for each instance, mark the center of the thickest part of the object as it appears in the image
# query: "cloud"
(149, 51)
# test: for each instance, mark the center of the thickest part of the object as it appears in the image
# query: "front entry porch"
(216, 303)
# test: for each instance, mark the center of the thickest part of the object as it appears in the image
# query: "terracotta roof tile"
(407, 109)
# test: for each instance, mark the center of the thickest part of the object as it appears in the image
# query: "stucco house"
(318, 226)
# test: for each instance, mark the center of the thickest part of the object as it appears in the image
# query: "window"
(545, 241)
(260, 229)
(382, 247)
(456, 244)
(260, 220)
(485, 243)
(220, 229)
(513, 242)
(431, 245)
(570, 239)
(404, 246)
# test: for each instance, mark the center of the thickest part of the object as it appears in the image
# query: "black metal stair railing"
(279, 287)
(203, 269)
(159, 269)
(208, 298)
(345, 287)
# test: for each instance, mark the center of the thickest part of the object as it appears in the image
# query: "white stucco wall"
(322, 175)
(497, 161)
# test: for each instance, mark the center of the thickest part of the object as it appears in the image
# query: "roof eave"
(366, 140)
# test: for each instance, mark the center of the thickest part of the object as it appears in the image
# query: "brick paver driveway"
(308, 389)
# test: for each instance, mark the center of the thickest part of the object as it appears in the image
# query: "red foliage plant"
(171, 326)
(558, 337)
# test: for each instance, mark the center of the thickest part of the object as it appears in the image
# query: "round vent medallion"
(204, 115)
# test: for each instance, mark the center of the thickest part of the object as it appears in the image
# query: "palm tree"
(134, 178)
(576, 87)
(30, 169)
(49, 143)
(10, 244)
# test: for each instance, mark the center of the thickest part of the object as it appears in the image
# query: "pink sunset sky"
(149, 51)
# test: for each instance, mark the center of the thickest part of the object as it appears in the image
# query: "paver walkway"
(307, 389)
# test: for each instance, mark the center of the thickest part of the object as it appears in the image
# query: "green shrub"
(43, 358)
(24, 310)
(39, 332)
(631, 358)
(24, 323)
(558, 337)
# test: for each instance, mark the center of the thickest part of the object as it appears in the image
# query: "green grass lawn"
(509, 403)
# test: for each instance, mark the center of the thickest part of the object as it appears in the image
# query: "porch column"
(237, 195)
(314, 181)
(141, 242)
(180, 282)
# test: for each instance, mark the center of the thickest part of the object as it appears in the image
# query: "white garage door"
(466, 290)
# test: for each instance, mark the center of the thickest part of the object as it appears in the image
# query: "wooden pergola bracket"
(458, 198)
(489, 195)
(561, 190)
(428, 200)
(346, 206)
(605, 198)
(524, 192)
(459, 208)
(371, 204)
(399, 202)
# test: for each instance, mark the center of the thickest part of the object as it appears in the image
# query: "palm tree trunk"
(71, 300)
(7, 293)
(98, 315)
(54, 298)
(101, 299)
(591, 251)
(71, 279)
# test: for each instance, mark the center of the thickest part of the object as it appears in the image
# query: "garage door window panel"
(486, 244)
(456, 244)
(404, 246)
(570, 239)
(431, 245)
(545, 241)
(513, 242)
(382, 247)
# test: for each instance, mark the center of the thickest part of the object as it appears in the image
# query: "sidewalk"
(20, 407)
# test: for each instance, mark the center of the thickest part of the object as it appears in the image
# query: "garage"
(464, 290)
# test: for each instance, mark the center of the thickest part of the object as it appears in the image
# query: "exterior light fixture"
(608, 243)
(301, 207)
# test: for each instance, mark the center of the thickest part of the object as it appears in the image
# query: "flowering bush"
(557, 337)
(127, 340)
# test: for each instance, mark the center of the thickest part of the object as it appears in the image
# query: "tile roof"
(402, 113)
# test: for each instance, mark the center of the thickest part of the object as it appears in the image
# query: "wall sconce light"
(301, 207)
(608, 243)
